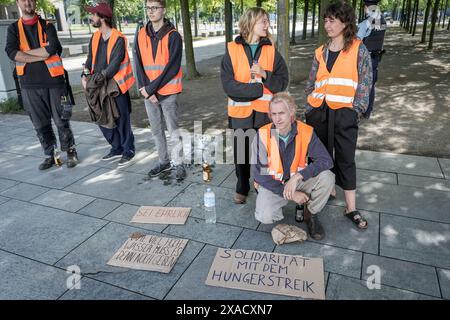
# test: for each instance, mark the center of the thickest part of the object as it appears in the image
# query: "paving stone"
(6, 156)
(24, 145)
(335, 260)
(399, 163)
(376, 176)
(415, 240)
(217, 234)
(230, 181)
(42, 233)
(63, 200)
(99, 208)
(93, 255)
(13, 131)
(445, 165)
(24, 279)
(444, 280)
(128, 187)
(126, 212)
(219, 173)
(192, 284)
(24, 191)
(3, 199)
(241, 215)
(344, 288)
(255, 240)
(403, 275)
(424, 182)
(25, 169)
(400, 200)
(95, 290)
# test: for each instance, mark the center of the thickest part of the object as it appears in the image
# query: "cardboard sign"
(150, 253)
(164, 215)
(268, 272)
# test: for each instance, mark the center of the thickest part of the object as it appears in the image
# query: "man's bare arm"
(27, 58)
(39, 52)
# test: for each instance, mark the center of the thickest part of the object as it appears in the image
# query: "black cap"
(371, 2)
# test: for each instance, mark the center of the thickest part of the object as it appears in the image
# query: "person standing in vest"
(157, 54)
(281, 171)
(108, 55)
(371, 31)
(337, 94)
(32, 43)
(252, 71)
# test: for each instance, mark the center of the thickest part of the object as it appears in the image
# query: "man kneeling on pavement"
(281, 170)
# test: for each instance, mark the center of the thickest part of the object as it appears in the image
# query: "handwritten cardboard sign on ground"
(150, 253)
(164, 215)
(268, 272)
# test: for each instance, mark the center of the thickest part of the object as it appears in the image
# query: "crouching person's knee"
(326, 180)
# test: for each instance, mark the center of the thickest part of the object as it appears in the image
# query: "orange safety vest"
(337, 87)
(124, 77)
(154, 67)
(241, 70)
(54, 63)
(302, 140)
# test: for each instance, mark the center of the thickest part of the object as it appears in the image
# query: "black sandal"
(357, 219)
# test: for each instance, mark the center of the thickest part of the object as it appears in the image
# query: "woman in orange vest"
(252, 71)
(337, 95)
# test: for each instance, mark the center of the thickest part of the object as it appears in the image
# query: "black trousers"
(121, 138)
(42, 105)
(338, 131)
(241, 147)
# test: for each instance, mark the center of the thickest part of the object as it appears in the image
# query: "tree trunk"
(402, 14)
(283, 29)
(242, 7)
(440, 13)
(445, 14)
(413, 14)
(313, 17)
(354, 4)
(361, 11)
(294, 22)
(175, 16)
(228, 21)
(415, 18)
(433, 23)
(425, 21)
(408, 18)
(305, 19)
(259, 3)
(195, 19)
(187, 35)
(448, 24)
(322, 34)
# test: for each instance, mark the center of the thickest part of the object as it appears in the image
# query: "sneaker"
(239, 198)
(315, 228)
(159, 168)
(125, 160)
(111, 155)
(72, 158)
(47, 163)
(180, 172)
(299, 213)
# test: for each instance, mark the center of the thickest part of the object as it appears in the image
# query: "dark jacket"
(172, 67)
(36, 74)
(318, 156)
(276, 81)
(100, 96)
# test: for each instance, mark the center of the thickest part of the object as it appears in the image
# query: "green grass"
(10, 106)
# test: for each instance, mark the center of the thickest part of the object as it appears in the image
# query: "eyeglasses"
(153, 9)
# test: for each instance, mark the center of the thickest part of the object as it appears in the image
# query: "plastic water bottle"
(210, 206)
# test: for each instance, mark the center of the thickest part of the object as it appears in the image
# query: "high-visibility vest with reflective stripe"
(337, 87)
(302, 140)
(154, 67)
(54, 63)
(124, 77)
(241, 70)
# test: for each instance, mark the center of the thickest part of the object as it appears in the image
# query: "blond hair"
(248, 20)
(287, 100)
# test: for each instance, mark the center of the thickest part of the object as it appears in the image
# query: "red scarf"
(31, 22)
